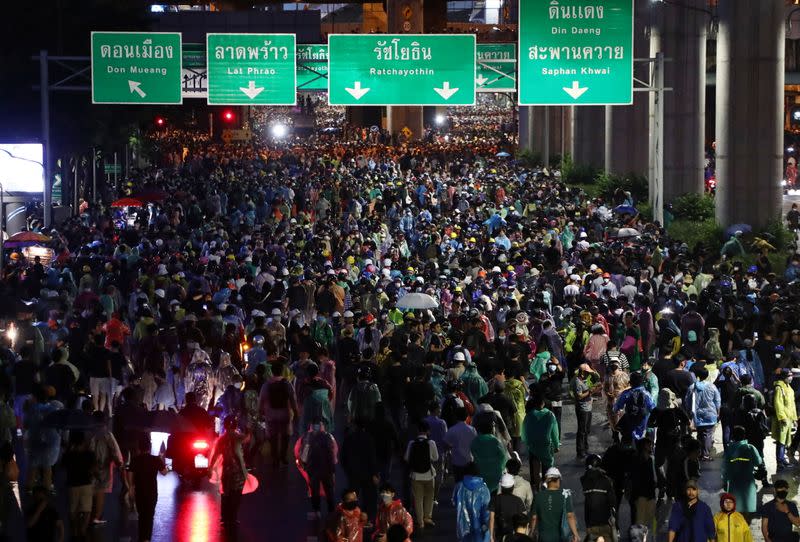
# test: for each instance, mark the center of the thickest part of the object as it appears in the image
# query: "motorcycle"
(190, 454)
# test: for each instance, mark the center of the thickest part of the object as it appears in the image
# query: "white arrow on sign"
(357, 92)
(134, 87)
(250, 90)
(576, 91)
(481, 80)
(445, 92)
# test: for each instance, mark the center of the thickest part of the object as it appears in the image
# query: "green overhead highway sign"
(136, 68)
(312, 67)
(401, 69)
(576, 52)
(251, 69)
(496, 69)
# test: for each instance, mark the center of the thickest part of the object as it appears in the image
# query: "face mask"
(782, 494)
(350, 505)
(552, 368)
(386, 498)
(316, 427)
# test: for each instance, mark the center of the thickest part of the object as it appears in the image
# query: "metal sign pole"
(44, 94)
(657, 198)
(94, 175)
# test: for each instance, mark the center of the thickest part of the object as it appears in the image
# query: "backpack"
(769, 402)
(278, 393)
(635, 405)
(419, 456)
(363, 399)
(756, 424)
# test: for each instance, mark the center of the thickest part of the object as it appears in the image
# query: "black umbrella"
(164, 421)
(71, 418)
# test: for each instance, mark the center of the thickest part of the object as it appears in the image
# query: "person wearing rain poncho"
(743, 464)
(713, 346)
(226, 374)
(471, 498)
(316, 399)
(516, 391)
(200, 377)
(540, 434)
(475, 386)
(730, 524)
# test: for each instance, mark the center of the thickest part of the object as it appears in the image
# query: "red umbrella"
(28, 237)
(128, 202)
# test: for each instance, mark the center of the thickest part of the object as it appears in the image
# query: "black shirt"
(79, 465)
(97, 361)
(662, 367)
(505, 507)
(778, 524)
(145, 468)
(60, 376)
(117, 363)
(24, 373)
(678, 381)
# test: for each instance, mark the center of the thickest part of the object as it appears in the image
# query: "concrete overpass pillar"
(588, 135)
(545, 130)
(627, 145)
(680, 33)
(750, 88)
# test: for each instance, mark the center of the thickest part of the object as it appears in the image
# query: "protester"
(540, 436)
(471, 499)
(703, 403)
(551, 503)
(316, 453)
(347, 523)
(80, 464)
(234, 474)
(391, 512)
(421, 454)
(503, 507)
(600, 499)
(144, 470)
(731, 526)
(690, 518)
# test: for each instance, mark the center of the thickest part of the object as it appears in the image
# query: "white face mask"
(386, 498)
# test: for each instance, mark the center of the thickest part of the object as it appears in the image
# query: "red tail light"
(200, 445)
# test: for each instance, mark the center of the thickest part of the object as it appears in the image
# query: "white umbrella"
(628, 232)
(417, 301)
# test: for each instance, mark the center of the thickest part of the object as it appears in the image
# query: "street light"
(439, 120)
(279, 130)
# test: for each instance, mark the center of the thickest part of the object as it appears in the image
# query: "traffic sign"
(576, 52)
(312, 67)
(251, 69)
(496, 69)
(195, 76)
(136, 68)
(401, 69)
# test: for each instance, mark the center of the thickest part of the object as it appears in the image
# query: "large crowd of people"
(430, 308)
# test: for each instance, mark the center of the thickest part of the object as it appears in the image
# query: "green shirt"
(548, 509)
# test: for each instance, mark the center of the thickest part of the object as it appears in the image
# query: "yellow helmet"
(454, 235)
